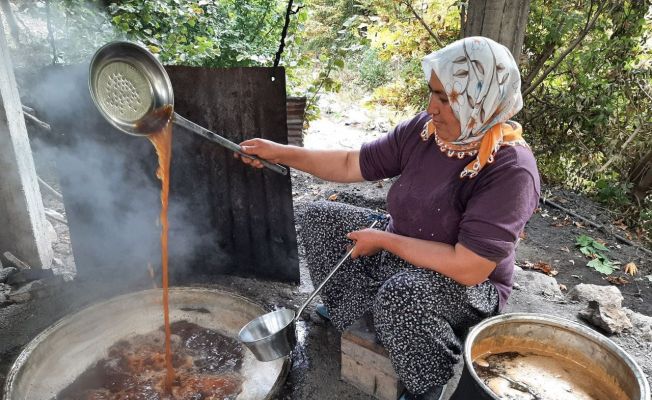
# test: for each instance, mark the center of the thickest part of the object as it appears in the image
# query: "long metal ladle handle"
(214, 137)
(321, 285)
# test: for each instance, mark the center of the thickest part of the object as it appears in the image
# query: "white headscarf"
(482, 82)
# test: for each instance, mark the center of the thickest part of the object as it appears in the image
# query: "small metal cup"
(271, 335)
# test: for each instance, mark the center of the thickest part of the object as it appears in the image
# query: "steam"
(112, 196)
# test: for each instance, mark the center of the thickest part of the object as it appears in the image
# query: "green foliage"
(589, 121)
(398, 38)
(374, 72)
(594, 250)
(613, 191)
(201, 32)
(324, 42)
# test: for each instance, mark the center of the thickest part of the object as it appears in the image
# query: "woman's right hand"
(265, 149)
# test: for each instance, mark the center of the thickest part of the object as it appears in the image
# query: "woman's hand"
(367, 242)
(266, 149)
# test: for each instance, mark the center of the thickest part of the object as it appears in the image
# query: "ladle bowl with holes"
(132, 91)
(273, 335)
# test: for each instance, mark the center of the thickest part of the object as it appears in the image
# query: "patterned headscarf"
(483, 86)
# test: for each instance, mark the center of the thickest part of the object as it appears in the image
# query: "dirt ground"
(315, 365)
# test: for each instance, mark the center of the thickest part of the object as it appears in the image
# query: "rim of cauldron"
(549, 319)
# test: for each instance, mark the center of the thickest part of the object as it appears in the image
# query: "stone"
(642, 324)
(51, 232)
(612, 319)
(537, 283)
(28, 275)
(36, 290)
(5, 273)
(604, 295)
(24, 294)
(4, 288)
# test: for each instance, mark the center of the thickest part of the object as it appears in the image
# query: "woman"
(467, 185)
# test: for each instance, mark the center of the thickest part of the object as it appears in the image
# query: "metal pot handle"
(214, 137)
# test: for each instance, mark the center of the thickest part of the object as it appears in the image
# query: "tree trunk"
(641, 177)
(5, 6)
(501, 20)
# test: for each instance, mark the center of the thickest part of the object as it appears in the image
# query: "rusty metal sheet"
(225, 218)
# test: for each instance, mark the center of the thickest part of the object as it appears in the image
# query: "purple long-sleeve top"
(430, 201)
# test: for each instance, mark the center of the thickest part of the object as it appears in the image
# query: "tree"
(501, 20)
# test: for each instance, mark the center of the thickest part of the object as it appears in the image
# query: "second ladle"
(273, 335)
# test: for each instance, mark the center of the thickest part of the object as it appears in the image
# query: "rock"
(36, 289)
(5, 273)
(604, 295)
(4, 288)
(642, 324)
(4, 291)
(28, 275)
(24, 294)
(52, 233)
(537, 283)
(610, 318)
(57, 216)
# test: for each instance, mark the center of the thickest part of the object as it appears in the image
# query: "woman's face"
(439, 108)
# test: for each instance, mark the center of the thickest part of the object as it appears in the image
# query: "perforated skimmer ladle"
(133, 92)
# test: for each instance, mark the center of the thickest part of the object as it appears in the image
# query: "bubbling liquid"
(207, 366)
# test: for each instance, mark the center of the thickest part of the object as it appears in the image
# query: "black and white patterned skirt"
(419, 315)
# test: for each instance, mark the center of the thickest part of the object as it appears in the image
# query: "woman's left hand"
(367, 242)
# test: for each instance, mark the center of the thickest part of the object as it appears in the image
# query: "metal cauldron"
(56, 357)
(574, 343)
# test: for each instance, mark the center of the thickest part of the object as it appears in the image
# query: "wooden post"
(23, 229)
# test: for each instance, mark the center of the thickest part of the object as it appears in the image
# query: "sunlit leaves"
(204, 33)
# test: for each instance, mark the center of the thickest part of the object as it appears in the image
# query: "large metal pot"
(540, 333)
(56, 357)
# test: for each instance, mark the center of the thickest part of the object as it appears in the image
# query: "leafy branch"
(590, 22)
(425, 25)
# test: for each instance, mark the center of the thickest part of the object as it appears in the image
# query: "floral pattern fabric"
(483, 85)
